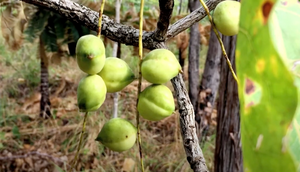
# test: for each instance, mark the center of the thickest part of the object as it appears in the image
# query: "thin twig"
(220, 41)
(139, 140)
(100, 18)
(115, 54)
(74, 164)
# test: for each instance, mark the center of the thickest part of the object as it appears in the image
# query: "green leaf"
(294, 137)
(16, 132)
(285, 33)
(36, 24)
(2, 136)
(49, 38)
(285, 30)
(60, 24)
(268, 96)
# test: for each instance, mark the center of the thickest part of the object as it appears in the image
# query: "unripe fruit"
(118, 134)
(91, 93)
(116, 74)
(156, 102)
(226, 17)
(159, 66)
(90, 54)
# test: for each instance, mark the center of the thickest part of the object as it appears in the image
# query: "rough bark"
(209, 84)
(118, 32)
(166, 8)
(190, 19)
(228, 153)
(194, 50)
(188, 129)
(45, 105)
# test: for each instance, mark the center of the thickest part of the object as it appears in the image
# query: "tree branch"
(188, 129)
(190, 19)
(119, 32)
(151, 40)
(166, 8)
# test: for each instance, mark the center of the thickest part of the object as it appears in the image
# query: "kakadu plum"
(226, 17)
(91, 93)
(116, 74)
(118, 134)
(156, 102)
(90, 54)
(159, 66)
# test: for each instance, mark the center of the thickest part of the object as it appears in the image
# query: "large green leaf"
(294, 134)
(267, 92)
(285, 32)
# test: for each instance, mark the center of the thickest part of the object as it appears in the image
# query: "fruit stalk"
(140, 82)
(220, 41)
(100, 18)
(80, 141)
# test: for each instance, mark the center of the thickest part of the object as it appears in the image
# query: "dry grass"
(29, 143)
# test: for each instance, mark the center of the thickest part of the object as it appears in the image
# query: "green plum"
(159, 66)
(118, 134)
(90, 54)
(156, 102)
(91, 93)
(226, 17)
(116, 74)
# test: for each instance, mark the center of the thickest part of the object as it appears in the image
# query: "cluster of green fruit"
(156, 102)
(103, 75)
(226, 17)
(112, 75)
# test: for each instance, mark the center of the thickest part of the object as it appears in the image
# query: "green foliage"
(267, 92)
(53, 29)
(16, 132)
(285, 34)
(36, 24)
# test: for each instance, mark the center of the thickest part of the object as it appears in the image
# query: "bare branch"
(190, 19)
(166, 8)
(188, 130)
(115, 31)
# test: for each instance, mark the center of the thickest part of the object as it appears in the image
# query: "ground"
(30, 143)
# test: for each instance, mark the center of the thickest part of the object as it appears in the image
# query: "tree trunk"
(45, 105)
(228, 153)
(194, 49)
(209, 85)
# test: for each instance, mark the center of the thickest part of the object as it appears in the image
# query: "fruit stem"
(140, 82)
(74, 164)
(100, 18)
(220, 41)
